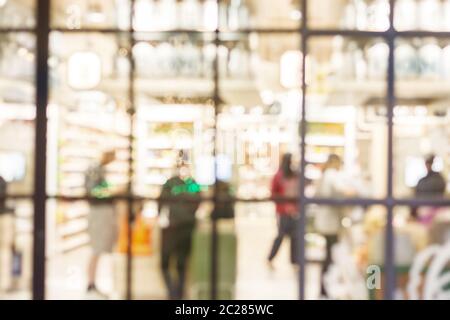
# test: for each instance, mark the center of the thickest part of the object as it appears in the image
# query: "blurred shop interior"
(229, 108)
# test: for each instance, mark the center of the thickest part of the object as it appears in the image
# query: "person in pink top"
(285, 184)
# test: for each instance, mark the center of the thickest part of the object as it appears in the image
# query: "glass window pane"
(88, 155)
(171, 259)
(346, 134)
(174, 90)
(207, 15)
(424, 15)
(362, 15)
(16, 249)
(421, 119)
(257, 125)
(17, 112)
(421, 245)
(345, 252)
(17, 13)
(258, 234)
(259, 14)
(152, 15)
(96, 14)
(82, 247)
(88, 110)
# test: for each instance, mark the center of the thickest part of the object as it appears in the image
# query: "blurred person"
(177, 205)
(333, 185)
(3, 189)
(285, 184)
(432, 185)
(102, 219)
(224, 209)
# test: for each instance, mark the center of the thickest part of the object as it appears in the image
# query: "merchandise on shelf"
(406, 64)
(191, 14)
(160, 15)
(407, 20)
(366, 15)
(429, 15)
(377, 60)
(238, 15)
(378, 15)
(184, 58)
(430, 59)
(211, 15)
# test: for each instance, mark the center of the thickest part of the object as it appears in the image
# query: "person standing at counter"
(432, 185)
(333, 185)
(177, 205)
(102, 220)
(285, 184)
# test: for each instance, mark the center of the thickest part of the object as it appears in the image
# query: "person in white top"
(333, 185)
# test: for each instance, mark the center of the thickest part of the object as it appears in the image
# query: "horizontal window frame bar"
(417, 202)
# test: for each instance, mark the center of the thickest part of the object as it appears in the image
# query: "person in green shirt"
(179, 201)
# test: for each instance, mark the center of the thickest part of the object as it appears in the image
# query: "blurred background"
(203, 100)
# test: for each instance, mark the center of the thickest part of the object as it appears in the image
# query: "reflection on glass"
(372, 15)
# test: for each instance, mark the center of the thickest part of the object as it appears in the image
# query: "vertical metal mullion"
(131, 114)
(390, 279)
(303, 123)
(40, 159)
(214, 232)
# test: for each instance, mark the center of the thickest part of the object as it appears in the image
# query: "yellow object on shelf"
(141, 238)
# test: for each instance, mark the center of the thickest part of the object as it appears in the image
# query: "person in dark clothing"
(3, 187)
(224, 209)
(179, 199)
(433, 185)
(285, 184)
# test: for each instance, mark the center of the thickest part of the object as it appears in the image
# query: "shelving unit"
(163, 131)
(80, 133)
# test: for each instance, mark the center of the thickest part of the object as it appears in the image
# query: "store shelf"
(74, 243)
(73, 227)
(360, 92)
(233, 91)
(330, 141)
